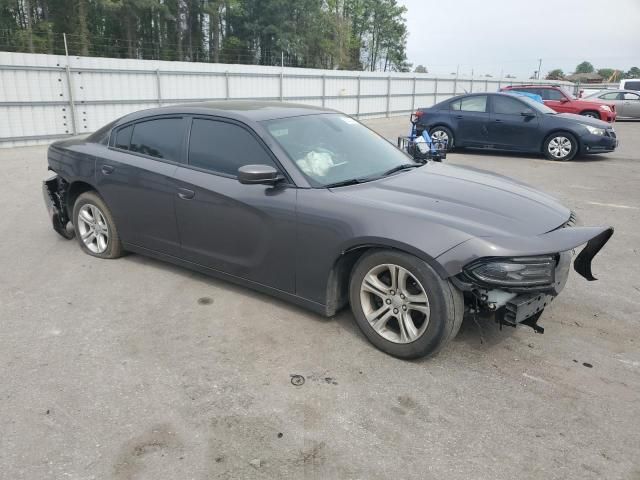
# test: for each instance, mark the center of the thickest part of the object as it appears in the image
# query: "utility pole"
(539, 67)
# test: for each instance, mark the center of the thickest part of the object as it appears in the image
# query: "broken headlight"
(514, 272)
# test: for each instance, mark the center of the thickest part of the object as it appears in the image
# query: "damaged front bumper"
(524, 305)
(54, 190)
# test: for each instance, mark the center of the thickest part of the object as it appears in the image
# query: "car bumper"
(599, 143)
(52, 200)
(608, 116)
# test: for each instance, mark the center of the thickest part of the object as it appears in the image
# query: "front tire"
(591, 114)
(560, 147)
(441, 133)
(95, 227)
(402, 306)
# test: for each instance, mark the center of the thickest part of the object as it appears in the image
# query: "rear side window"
(160, 138)
(631, 96)
(123, 138)
(223, 147)
(471, 104)
(507, 106)
(634, 85)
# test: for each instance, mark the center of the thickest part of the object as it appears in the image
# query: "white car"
(630, 84)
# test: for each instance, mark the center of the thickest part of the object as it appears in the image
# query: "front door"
(247, 231)
(630, 105)
(509, 128)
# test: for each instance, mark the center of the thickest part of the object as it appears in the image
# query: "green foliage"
(634, 72)
(421, 69)
(556, 74)
(585, 67)
(334, 34)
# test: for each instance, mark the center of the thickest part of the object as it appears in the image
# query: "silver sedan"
(627, 102)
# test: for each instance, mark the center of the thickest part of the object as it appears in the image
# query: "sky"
(490, 36)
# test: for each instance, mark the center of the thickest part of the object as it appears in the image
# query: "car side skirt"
(289, 297)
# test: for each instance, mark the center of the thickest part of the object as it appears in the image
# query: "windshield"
(540, 107)
(334, 148)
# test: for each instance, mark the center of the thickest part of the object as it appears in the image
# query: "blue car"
(504, 121)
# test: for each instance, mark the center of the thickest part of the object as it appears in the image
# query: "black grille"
(611, 133)
(573, 219)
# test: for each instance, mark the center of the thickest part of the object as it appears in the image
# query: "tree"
(606, 73)
(585, 67)
(555, 74)
(634, 72)
(421, 69)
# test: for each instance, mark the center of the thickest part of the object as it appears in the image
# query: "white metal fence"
(44, 97)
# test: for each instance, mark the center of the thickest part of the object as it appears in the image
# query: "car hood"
(474, 201)
(594, 122)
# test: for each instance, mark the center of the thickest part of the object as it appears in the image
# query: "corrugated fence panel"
(37, 91)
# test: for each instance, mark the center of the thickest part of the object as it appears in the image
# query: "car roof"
(243, 110)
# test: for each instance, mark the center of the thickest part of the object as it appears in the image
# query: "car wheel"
(591, 115)
(95, 228)
(440, 134)
(560, 147)
(401, 304)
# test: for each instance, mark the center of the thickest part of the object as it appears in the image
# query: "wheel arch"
(76, 189)
(555, 131)
(337, 292)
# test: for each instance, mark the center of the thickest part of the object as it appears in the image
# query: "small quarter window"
(123, 138)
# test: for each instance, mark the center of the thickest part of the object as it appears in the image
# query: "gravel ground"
(137, 369)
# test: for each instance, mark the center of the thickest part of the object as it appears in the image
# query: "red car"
(562, 102)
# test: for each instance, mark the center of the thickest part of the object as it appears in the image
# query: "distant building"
(585, 78)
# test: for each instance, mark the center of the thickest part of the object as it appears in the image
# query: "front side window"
(610, 96)
(222, 147)
(335, 148)
(160, 138)
(471, 104)
(551, 94)
(507, 106)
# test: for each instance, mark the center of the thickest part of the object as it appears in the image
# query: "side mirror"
(257, 174)
(564, 100)
(528, 113)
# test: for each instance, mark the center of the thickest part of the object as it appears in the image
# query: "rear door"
(247, 231)
(511, 130)
(471, 117)
(630, 105)
(135, 178)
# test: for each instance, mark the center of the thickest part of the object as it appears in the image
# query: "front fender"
(560, 240)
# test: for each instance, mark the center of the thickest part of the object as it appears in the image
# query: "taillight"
(416, 116)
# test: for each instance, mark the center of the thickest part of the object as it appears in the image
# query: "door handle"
(498, 120)
(107, 169)
(186, 194)
(459, 116)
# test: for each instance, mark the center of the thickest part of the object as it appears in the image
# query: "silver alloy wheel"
(394, 303)
(440, 136)
(591, 115)
(560, 147)
(93, 228)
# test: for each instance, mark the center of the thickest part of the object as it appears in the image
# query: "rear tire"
(414, 315)
(560, 147)
(443, 133)
(95, 227)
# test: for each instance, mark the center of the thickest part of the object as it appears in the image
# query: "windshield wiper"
(399, 168)
(344, 183)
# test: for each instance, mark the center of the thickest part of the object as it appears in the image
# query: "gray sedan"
(627, 102)
(310, 206)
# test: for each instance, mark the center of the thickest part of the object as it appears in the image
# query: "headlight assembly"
(594, 130)
(514, 272)
(606, 108)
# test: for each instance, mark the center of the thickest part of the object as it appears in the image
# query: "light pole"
(539, 67)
